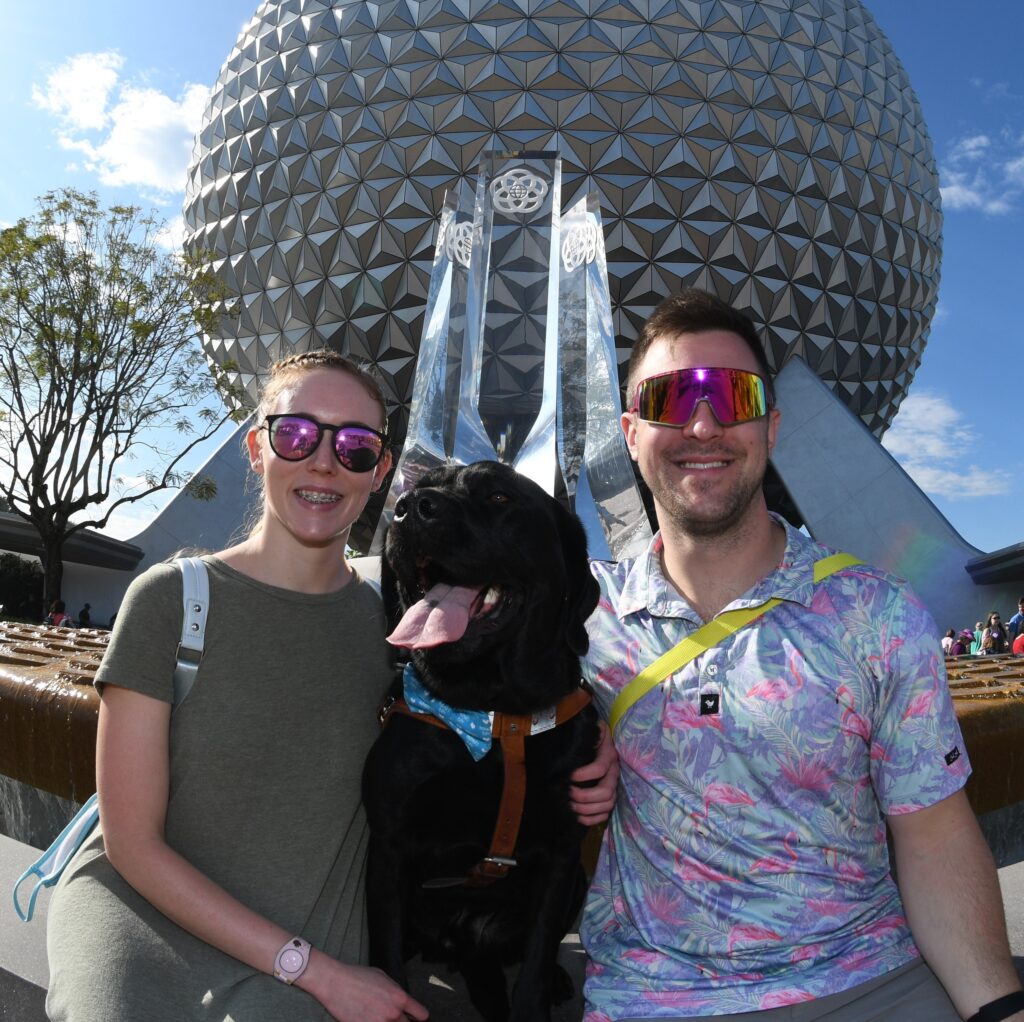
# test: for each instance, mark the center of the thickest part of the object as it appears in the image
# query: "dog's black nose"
(419, 504)
(426, 506)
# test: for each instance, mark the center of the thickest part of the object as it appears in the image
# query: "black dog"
(493, 578)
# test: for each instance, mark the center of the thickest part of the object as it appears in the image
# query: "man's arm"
(950, 891)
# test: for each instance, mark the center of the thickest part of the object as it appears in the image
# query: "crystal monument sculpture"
(516, 281)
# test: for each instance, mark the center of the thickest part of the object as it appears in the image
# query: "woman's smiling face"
(315, 502)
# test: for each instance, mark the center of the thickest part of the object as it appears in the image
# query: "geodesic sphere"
(772, 152)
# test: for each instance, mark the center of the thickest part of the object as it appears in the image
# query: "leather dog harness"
(511, 730)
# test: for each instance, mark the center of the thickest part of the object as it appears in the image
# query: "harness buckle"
(503, 861)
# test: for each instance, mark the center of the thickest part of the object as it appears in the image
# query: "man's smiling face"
(705, 477)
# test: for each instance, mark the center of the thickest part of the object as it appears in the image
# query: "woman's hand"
(593, 804)
(353, 993)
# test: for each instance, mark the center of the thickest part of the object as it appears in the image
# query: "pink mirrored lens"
(294, 438)
(671, 398)
(358, 450)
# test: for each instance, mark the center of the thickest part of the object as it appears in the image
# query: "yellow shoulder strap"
(705, 638)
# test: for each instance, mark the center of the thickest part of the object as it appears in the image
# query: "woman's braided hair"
(282, 372)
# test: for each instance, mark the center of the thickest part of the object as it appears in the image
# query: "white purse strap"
(195, 595)
(47, 869)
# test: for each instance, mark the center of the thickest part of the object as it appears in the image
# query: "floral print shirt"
(745, 866)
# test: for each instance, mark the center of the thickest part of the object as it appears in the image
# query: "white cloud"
(933, 444)
(959, 193)
(128, 521)
(126, 133)
(984, 173)
(77, 92)
(172, 235)
(1014, 170)
(970, 148)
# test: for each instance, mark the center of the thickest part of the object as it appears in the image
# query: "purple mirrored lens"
(357, 449)
(294, 438)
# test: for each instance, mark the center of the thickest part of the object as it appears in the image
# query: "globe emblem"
(518, 191)
(458, 243)
(579, 245)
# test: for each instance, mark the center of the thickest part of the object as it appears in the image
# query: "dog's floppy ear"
(582, 591)
(389, 594)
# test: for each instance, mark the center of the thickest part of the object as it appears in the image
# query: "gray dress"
(266, 758)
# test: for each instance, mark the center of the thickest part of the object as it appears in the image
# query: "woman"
(962, 643)
(58, 616)
(235, 826)
(947, 641)
(247, 830)
(994, 638)
(979, 628)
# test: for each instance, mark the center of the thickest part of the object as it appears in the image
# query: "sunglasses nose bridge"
(703, 418)
(323, 456)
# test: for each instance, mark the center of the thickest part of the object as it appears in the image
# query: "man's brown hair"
(693, 311)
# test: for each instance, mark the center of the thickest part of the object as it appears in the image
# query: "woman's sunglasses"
(296, 437)
(671, 399)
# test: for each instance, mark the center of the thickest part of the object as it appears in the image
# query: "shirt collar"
(646, 588)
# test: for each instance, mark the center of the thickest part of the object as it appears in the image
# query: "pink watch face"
(291, 961)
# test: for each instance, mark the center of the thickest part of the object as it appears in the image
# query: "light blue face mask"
(49, 866)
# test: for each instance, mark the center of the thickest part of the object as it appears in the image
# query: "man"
(745, 867)
(1015, 626)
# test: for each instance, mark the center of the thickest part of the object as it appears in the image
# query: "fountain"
(48, 715)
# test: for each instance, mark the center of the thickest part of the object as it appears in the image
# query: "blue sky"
(107, 96)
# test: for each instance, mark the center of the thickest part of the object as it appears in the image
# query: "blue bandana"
(472, 726)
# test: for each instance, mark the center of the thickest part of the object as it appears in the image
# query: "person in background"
(1015, 626)
(745, 873)
(994, 639)
(84, 617)
(58, 616)
(976, 644)
(962, 643)
(1018, 644)
(947, 641)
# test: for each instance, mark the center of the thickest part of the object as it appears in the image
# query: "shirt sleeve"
(143, 646)
(917, 752)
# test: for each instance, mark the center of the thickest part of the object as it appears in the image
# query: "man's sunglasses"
(671, 398)
(296, 437)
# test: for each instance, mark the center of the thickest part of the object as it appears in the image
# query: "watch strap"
(1000, 1008)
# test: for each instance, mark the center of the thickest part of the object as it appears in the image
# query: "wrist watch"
(292, 960)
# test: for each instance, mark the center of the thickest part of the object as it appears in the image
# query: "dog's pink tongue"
(441, 616)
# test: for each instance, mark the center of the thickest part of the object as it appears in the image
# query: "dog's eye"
(499, 498)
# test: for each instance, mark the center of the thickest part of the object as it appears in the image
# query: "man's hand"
(592, 794)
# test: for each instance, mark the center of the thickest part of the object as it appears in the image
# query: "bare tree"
(98, 355)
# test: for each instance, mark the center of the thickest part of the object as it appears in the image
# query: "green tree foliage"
(99, 352)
